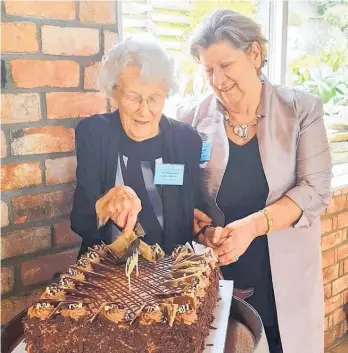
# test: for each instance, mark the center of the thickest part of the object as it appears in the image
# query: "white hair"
(141, 50)
(230, 26)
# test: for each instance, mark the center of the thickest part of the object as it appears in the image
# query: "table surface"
(215, 342)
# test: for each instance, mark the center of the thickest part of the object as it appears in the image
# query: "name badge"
(206, 151)
(169, 174)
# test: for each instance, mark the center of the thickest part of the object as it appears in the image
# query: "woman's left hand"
(235, 239)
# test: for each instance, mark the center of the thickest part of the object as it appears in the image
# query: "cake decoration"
(40, 310)
(167, 296)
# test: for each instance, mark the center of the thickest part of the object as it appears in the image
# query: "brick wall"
(335, 265)
(50, 57)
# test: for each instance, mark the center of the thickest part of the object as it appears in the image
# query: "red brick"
(21, 175)
(39, 140)
(327, 291)
(60, 170)
(63, 234)
(3, 145)
(326, 225)
(344, 329)
(40, 73)
(340, 284)
(4, 215)
(326, 323)
(332, 304)
(331, 240)
(330, 273)
(337, 204)
(331, 335)
(20, 108)
(12, 306)
(341, 269)
(70, 40)
(330, 319)
(110, 39)
(63, 105)
(328, 258)
(334, 222)
(36, 207)
(45, 267)
(18, 37)
(7, 279)
(342, 219)
(64, 10)
(97, 11)
(342, 251)
(345, 297)
(337, 192)
(25, 242)
(345, 266)
(91, 75)
(338, 316)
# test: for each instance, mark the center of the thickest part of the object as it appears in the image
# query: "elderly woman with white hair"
(266, 178)
(141, 165)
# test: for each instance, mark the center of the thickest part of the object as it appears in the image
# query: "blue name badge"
(206, 151)
(169, 174)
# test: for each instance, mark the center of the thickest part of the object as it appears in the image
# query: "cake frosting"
(95, 308)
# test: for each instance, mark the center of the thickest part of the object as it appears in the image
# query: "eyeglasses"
(154, 102)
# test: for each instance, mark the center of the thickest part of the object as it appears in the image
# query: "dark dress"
(244, 191)
(141, 157)
(98, 146)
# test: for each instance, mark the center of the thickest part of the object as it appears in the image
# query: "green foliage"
(337, 16)
(325, 5)
(331, 86)
(335, 58)
(202, 8)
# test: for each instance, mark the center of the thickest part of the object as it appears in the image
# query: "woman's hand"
(235, 239)
(200, 220)
(122, 205)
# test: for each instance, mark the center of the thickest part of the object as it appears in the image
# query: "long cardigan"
(296, 159)
(97, 148)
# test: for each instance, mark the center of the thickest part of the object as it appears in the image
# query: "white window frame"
(276, 31)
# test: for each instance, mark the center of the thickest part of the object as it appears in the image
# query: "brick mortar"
(18, 260)
(65, 23)
(36, 157)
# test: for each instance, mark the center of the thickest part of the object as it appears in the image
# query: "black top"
(140, 156)
(97, 149)
(243, 191)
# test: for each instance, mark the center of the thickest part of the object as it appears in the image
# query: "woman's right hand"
(212, 235)
(120, 204)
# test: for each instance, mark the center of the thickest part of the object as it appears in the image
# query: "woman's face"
(231, 73)
(140, 104)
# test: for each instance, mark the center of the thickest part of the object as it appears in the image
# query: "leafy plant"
(331, 86)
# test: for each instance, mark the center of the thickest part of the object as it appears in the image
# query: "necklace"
(242, 130)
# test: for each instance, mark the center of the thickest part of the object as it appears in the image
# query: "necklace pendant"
(241, 131)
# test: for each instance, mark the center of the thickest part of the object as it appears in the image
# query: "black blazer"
(97, 146)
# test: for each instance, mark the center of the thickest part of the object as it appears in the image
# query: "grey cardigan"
(296, 158)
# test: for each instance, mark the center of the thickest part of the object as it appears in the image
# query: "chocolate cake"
(156, 304)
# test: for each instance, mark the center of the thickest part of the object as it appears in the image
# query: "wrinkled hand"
(200, 220)
(234, 240)
(210, 234)
(122, 205)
